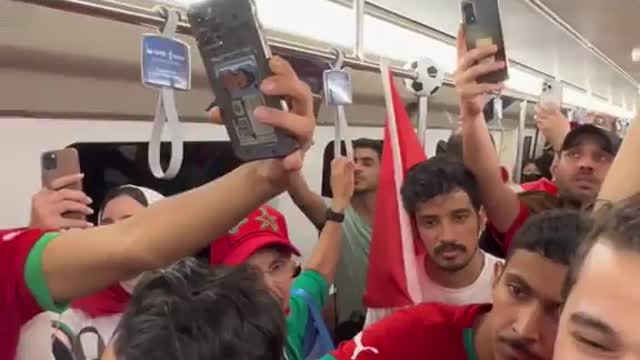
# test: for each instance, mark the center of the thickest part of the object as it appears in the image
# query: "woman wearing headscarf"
(100, 313)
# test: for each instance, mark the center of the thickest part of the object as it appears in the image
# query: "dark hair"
(544, 164)
(193, 312)
(364, 143)
(439, 175)
(554, 234)
(617, 224)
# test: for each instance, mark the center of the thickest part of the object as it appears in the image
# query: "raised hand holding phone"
(298, 123)
(474, 95)
(61, 204)
(236, 55)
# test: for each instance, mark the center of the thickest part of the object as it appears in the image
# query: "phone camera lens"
(49, 161)
(469, 13)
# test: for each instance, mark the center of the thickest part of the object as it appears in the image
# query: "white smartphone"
(551, 93)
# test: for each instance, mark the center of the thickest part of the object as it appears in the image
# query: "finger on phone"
(290, 87)
(75, 224)
(73, 206)
(65, 181)
(296, 125)
(475, 55)
(491, 88)
(475, 72)
(461, 41)
(280, 66)
(216, 115)
(481, 88)
(293, 161)
(73, 195)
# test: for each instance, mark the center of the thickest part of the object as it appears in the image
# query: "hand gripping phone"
(551, 93)
(236, 58)
(61, 163)
(482, 25)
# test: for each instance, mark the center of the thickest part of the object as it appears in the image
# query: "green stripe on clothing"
(470, 349)
(34, 276)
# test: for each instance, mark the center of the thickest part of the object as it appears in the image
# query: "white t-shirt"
(35, 336)
(477, 293)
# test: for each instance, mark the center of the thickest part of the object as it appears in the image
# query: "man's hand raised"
(299, 122)
(473, 96)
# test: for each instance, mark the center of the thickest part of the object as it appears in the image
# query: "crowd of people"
(543, 271)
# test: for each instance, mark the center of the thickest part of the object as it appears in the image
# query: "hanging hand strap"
(78, 348)
(341, 125)
(166, 113)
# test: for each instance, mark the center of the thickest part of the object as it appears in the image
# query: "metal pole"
(423, 113)
(358, 50)
(517, 172)
(137, 15)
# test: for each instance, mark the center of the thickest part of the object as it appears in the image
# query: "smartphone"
(236, 58)
(551, 93)
(482, 26)
(60, 163)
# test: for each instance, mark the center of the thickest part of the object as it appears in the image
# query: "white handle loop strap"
(166, 113)
(341, 126)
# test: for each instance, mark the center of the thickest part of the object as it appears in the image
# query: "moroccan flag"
(392, 278)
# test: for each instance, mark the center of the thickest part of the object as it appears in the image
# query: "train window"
(108, 165)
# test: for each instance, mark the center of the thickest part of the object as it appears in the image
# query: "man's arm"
(553, 125)
(623, 179)
(500, 201)
(326, 253)
(311, 204)
(80, 262)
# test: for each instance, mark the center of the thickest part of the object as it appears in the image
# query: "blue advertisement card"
(165, 62)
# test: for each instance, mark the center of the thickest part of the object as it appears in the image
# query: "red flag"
(392, 278)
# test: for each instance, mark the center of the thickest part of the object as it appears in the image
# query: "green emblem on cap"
(267, 221)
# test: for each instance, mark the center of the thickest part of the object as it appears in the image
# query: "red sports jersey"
(426, 331)
(23, 290)
(541, 185)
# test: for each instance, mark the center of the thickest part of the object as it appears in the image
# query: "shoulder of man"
(395, 337)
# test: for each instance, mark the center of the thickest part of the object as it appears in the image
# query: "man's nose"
(446, 231)
(529, 322)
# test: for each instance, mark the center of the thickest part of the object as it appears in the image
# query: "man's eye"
(516, 291)
(590, 344)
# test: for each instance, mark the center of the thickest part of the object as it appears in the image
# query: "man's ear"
(482, 220)
(554, 165)
(498, 269)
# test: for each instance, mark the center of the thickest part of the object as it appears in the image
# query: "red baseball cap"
(265, 226)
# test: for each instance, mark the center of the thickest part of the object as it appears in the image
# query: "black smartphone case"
(235, 56)
(485, 27)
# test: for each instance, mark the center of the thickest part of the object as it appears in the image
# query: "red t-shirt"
(505, 239)
(543, 184)
(23, 290)
(426, 331)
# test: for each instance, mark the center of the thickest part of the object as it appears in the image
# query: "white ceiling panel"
(611, 26)
(534, 40)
